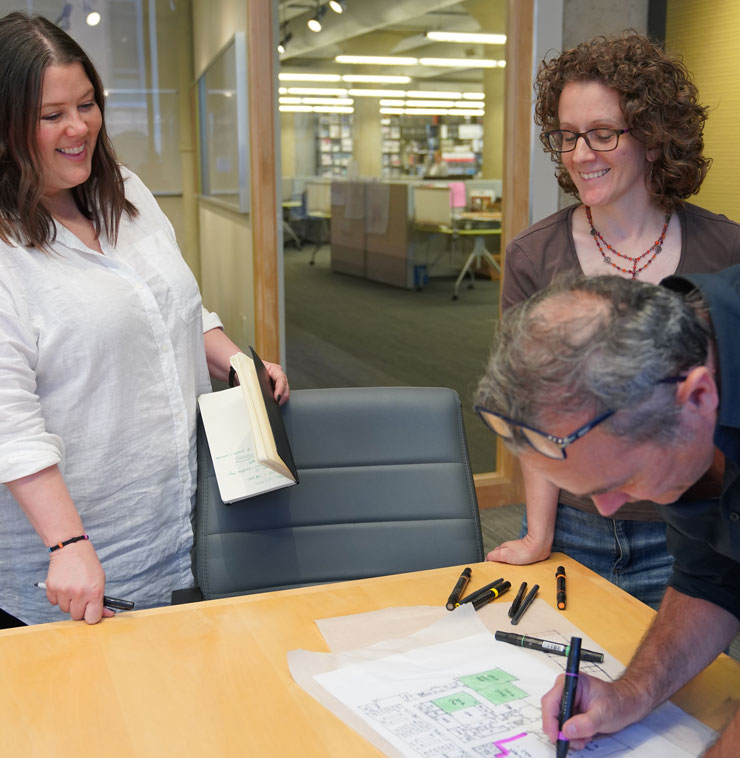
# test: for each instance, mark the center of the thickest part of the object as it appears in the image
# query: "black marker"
(514, 607)
(475, 595)
(109, 602)
(491, 594)
(560, 577)
(569, 694)
(454, 599)
(525, 604)
(545, 646)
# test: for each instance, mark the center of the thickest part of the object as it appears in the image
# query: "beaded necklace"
(655, 248)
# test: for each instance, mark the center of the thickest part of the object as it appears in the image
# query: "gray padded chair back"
(385, 487)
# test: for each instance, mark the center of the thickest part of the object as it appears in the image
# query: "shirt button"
(734, 516)
(165, 348)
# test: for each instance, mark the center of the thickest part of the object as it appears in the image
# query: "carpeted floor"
(343, 331)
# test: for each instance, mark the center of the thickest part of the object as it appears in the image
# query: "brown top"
(709, 242)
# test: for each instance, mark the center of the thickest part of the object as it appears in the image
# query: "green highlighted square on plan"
(486, 679)
(457, 702)
(502, 693)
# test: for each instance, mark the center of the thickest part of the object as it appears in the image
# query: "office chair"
(385, 487)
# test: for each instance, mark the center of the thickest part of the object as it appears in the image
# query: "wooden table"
(211, 679)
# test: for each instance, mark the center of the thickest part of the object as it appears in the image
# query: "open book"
(246, 436)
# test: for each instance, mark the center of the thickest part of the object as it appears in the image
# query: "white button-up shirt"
(101, 362)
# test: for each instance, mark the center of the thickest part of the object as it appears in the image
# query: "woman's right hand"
(76, 581)
(520, 552)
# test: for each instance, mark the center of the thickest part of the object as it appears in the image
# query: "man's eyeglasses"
(598, 140)
(548, 445)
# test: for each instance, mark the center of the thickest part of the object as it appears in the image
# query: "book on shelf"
(246, 435)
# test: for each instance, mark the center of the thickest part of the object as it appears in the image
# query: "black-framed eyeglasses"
(599, 140)
(549, 445)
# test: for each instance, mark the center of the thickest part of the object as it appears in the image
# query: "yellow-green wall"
(706, 34)
(226, 276)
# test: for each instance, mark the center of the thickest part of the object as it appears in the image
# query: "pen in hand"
(568, 702)
(109, 602)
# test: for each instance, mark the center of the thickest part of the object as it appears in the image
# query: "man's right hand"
(602, 708)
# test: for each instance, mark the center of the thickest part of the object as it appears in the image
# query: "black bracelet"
(68, 542)
(232, 377)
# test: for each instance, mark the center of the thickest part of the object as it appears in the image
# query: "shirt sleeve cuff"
(211, 321)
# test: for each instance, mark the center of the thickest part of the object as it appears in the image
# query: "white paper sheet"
(452, 690)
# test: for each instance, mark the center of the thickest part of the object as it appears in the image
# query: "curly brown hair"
(658, 101)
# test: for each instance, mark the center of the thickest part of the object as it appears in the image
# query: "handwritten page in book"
(238, 472)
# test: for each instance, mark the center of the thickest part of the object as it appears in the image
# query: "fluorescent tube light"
(327, 100)
(377, 60)
(316, 91)
(377, 93)
(433, 93)
(289, 77)
(459, 62)
(372, 79)
(427, 104)
(474, 37)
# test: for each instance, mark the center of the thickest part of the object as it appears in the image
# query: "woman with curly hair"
(621, 120)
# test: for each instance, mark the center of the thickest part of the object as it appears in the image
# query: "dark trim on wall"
(657, 10)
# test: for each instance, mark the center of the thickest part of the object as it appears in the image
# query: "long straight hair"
(28, 46)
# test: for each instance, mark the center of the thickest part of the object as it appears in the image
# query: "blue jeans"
(630, 554)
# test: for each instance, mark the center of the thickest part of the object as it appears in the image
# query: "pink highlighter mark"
(500, 744)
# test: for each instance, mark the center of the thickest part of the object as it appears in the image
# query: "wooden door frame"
(504, 485)
(264, 212)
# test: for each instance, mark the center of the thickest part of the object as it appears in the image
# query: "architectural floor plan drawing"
(471, 697)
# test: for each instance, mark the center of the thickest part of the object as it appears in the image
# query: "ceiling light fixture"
(379, 79)
(376, 60)
(316, 91)
(338, 6)
(427, 104)
(431, 93)
(314, 24)
(327, 100)
(330, 109)
(284, 42)
(290, 77)
(377, 93)
(472, 37)
(93, 18)
(460, 62)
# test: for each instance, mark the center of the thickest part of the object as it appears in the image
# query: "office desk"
(476, 224)
(211, 679)
(289, 205)
(323, 217)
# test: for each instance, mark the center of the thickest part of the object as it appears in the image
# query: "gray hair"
(596, 343)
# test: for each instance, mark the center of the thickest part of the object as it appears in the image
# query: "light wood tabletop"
(211, 679)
